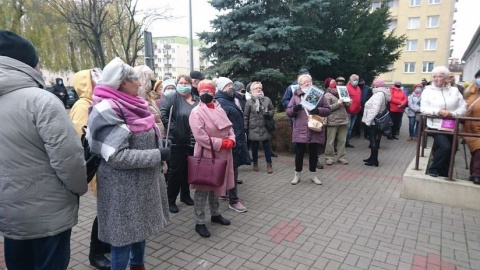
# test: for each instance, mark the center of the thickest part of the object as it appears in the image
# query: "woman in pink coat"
(209, 120)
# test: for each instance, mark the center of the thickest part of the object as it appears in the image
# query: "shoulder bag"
(314, 122)
(206, 171)
(383, 121)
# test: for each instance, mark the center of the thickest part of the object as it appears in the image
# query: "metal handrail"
(424, 132)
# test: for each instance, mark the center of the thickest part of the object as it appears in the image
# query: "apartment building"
(172, 56)
(427, 26)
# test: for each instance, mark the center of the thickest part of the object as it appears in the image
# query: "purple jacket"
(301, 133)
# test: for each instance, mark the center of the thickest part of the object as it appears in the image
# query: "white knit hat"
(169, 82)
(114, 72)
(222, 82)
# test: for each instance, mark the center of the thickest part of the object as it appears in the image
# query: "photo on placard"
(343, 93)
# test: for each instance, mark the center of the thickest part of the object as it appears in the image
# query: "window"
(434, 2)
(376, 4)
(415, 3)
(392, 24)
(409, 67)
(173, 50)
(413, 23)
(411, 45)
(432, 21)
(428, 67)
(430, 44)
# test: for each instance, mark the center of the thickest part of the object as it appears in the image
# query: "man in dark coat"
(196, 77)
(60, 91)
(226, 97)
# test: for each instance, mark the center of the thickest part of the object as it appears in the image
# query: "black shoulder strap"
(121, 112)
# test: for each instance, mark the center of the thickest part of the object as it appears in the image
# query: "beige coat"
(471, 94)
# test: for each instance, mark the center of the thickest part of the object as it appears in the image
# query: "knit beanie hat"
(114, 72)
(378, 83)
(237, 86)
(18, 48)
(196, 75)
(303, 71)
(169, 82)
(327, 82)
(206, 85)
(222, 82)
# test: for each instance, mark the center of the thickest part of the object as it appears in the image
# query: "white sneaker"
(328, 161)
(239, 207)
(315, 179)
(296, 179)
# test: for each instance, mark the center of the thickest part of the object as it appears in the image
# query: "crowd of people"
(144, 131)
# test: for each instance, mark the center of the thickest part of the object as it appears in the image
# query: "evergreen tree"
(269, 40)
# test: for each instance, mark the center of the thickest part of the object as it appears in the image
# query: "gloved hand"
(165, 154)
(227, 144)
(297, 108)
(340, 101)
(314, 111)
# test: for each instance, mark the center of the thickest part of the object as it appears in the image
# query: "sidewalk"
(355, 220)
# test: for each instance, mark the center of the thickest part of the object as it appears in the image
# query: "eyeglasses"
(183, 83)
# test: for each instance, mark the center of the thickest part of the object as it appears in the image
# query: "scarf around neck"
(258, 100)
(137, 114)
(333, 91)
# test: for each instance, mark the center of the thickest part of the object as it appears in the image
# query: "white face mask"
(169, 92)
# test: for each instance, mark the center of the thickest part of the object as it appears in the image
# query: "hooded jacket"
(82, 83)
(42, 168)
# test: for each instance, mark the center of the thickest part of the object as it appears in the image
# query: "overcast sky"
(467, 17)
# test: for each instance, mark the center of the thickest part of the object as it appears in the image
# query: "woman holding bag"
(302, 135)
(211, 127)
(375, 105)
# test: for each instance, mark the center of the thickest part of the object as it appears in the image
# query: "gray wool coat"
(255, 121)
(132, 199)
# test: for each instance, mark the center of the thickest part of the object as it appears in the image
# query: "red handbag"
(206, 171)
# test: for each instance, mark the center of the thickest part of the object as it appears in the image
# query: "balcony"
(168, 65)
(202, 67)
(168, 74)
(168, 56)
(167, 46)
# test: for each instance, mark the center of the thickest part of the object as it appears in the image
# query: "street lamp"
(191, 34)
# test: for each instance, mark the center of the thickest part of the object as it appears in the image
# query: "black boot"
(98, 259)
(368, 159)
(374, 158)
(220, 220)
(202, 230)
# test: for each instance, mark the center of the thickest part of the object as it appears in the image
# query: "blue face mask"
(184, 89)
(354, 83)
(478, 81)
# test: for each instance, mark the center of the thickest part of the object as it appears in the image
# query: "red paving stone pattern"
(285, 230)
(431, 262)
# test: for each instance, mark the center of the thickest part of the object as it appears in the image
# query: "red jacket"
(356, 96)
(397, 97)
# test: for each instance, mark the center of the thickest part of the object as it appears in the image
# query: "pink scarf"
(137, 115)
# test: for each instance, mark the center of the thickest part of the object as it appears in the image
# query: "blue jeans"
(119, 255)
(266, 149)
(46, 253)
(353, 118)
(413, 126)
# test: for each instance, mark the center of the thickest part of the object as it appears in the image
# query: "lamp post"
(191, 34)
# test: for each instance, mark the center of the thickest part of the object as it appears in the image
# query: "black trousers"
(396, 119)
(441, 157)
(312, 156)
(178, 173)
(97, 247)
(46, 253)
(233, 193)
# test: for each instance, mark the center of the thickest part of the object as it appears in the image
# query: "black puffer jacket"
(235, 115)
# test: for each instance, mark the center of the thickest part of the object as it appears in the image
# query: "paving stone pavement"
(355, 220)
